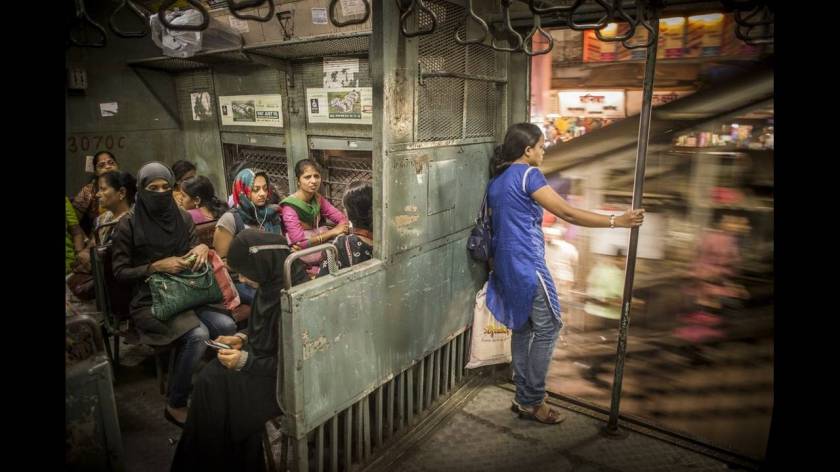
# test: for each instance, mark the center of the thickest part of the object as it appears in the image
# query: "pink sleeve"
(332, 213)
(293, 228)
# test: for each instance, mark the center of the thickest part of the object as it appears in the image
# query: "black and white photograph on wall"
(202, 108)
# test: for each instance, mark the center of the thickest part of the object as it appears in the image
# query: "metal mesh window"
(443, 102)
(272, 160)
(341, 168)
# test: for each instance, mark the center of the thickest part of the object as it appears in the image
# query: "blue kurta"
(518, 248)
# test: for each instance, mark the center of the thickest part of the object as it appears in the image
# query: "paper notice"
(319, 16)
(239, 25)
(109, 109)
(341, 73)
(352, 7)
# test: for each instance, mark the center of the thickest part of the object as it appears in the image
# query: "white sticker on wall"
(352, 7)
(341, 73)
(239, 25)
(89, 164)
(319, 16)
(109, 109)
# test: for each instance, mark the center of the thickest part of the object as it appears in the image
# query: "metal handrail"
(82, 17)
(745, 25)
(642, 19)
(404, 17)
(472, 14)
(92, 325)
(590, 26)
(509, 29)
(544, 33)
(144, 17)
(340, 24)
(205, 17)
(558, 9)
(235, 8)
(622, 15)
(332, 255)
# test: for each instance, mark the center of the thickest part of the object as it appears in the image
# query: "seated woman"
(87, 208)
(200, 201)
(234, 394)
(116, 195)
(357, 246)
(251, 209)
(182, 170)
(304, 210)
(157, 236)
(74, 237)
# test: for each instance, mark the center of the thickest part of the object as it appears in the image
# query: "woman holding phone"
(235, 394)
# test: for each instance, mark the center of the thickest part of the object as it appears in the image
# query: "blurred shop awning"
(738, 94)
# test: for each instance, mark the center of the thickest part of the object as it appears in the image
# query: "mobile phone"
(216, 345)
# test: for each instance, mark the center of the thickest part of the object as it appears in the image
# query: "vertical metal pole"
(630, 267)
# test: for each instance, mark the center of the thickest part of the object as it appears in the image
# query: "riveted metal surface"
(485, 435)
(272, 160)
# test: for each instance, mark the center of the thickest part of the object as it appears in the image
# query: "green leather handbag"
(176, 293)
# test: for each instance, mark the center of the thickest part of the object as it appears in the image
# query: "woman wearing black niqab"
(157, 236)
(234, 394)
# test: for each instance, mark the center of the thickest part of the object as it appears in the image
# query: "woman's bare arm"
(554, 203)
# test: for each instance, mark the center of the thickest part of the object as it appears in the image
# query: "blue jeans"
(531, 348)
(212, 325)
(246, 293)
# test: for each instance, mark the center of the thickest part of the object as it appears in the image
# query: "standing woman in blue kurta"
(521, 292)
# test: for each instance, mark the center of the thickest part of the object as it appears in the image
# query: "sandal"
(516, 407)
(542, 413)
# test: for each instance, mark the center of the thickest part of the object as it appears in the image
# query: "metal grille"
(481, 61)
(170, 64)
(341, 171)
(357, 43)
(440, 109)
(354, 435)
(272, 160)
(441, 102)
(481, 109)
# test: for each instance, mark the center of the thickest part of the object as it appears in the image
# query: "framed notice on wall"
(251, 110)
(346, 105)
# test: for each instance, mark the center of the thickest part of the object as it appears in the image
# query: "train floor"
(477, 432)
(482, 434)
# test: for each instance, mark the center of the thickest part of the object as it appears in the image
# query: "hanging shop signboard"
(251, 110)
(592, 103)
(634, 99)
(347, 105)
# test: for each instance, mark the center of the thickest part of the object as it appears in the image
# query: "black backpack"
(481, 236)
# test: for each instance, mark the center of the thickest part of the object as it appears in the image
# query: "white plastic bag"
(490, 339)
(187, 43)
(177, 43)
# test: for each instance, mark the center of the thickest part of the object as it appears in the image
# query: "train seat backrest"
(205, 232)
